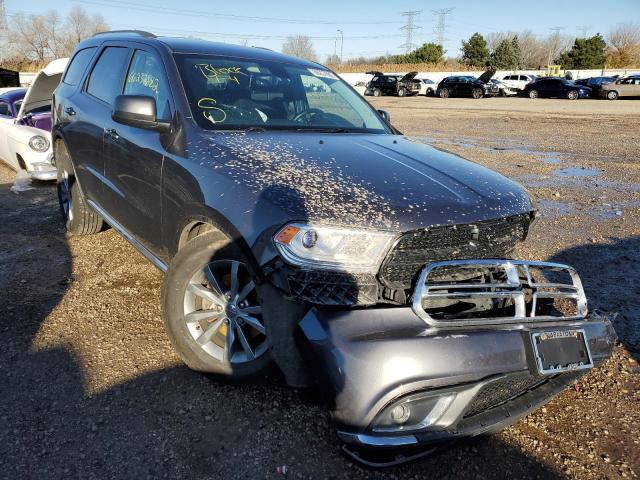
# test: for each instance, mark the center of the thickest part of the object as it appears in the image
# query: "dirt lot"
(90, 387)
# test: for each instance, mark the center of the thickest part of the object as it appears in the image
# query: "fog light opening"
(414, 412)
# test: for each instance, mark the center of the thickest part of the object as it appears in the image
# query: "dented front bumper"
(365, 360)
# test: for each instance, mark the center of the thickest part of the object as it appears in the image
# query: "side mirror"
(385, 115)
(138, 111)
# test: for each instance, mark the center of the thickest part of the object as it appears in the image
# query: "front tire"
(612, 95)
(211, 309)
(533, 94)
(377, 92)
(477, 93)
(402, 92)
(572, 95)
(443, 93)
(78, 217)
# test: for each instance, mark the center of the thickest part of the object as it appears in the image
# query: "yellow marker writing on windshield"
(209, 106)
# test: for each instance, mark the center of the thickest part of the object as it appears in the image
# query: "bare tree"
(624, 39)
(43, 37)
(299, 46)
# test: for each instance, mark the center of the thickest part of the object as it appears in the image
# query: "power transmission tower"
(409, 28)
(584, 29)
(4, 34)
(441, 27)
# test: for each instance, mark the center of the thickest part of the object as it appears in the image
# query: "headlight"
(333, 248)
(39, 143)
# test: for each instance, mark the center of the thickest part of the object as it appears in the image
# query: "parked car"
(503, 89)
(623, 87)
(595, 83)
(518, 81)
(401, 86)
(428, 87)
(9, 78)
(556, 87)
(278, 215)
(25, 138)
(468, 86)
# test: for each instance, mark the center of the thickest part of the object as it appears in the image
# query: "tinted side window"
(5, 109)
(146, 77)
(105, 81)
(78, 65)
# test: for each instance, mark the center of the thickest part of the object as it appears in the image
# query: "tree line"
(36, 39)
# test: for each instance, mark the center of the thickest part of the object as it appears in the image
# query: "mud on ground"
(91, 388)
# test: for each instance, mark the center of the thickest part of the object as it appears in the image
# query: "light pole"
(341, 43)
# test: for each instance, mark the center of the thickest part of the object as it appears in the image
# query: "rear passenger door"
(134, 156)
(85, 114)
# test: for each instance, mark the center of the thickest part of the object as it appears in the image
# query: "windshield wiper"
(324, 129)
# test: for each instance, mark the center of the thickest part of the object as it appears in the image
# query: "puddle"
(553, 208)
(577, 172)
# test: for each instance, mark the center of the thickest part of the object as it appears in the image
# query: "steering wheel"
(307, 112)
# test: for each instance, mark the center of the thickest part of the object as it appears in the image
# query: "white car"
(518, 81)
(428, 87)
(503, 89)
(25, 141)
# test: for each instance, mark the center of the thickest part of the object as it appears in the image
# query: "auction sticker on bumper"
(561, 351)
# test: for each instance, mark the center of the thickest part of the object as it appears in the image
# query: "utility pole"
(409, 28)
(4, 31)
(341, 43)
(554, 43)
(584, 29)
(441, 27)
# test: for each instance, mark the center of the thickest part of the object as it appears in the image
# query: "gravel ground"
(91, 388)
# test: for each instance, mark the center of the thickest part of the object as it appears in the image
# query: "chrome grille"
(477, 292)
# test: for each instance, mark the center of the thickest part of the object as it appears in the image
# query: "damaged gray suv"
(297, 227)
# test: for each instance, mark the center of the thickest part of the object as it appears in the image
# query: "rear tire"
(377, 92)
(211, 309)
(612, 95)
(443, 93)
(533, 94)
(78, 217)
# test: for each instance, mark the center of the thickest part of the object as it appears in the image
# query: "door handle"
(110, 132)
(70, 111)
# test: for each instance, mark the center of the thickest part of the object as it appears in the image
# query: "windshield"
(239, 93)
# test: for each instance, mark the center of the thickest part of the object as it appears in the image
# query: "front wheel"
(612, 95)
(211, 309)
(477, 93)
(572, 95)
(376, 92)
(78, 217)
(443, 93)
(402, 92)
(533, 94)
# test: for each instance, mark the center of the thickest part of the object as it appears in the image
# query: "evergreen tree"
(586, 53)
(475, 51)
(506, 55)
(427, 53)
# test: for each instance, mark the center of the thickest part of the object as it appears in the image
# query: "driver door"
(134, 156)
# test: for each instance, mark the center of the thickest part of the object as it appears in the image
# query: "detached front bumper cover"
(485, 371)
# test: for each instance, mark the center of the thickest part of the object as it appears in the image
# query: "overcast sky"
(265, 23)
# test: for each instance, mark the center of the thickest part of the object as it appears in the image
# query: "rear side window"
(78, 65)
(105, 81)
(146, 77)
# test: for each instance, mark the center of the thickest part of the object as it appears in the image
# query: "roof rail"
(140, 33)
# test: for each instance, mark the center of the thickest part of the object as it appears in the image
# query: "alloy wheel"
(223, 314)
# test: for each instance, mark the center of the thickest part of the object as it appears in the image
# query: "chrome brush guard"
(484, 292)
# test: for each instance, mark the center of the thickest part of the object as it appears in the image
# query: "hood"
(488, 75)
(41, 90)
(409, 77)
(359, 180)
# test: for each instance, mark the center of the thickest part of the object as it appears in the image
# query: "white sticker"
(322, 73)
